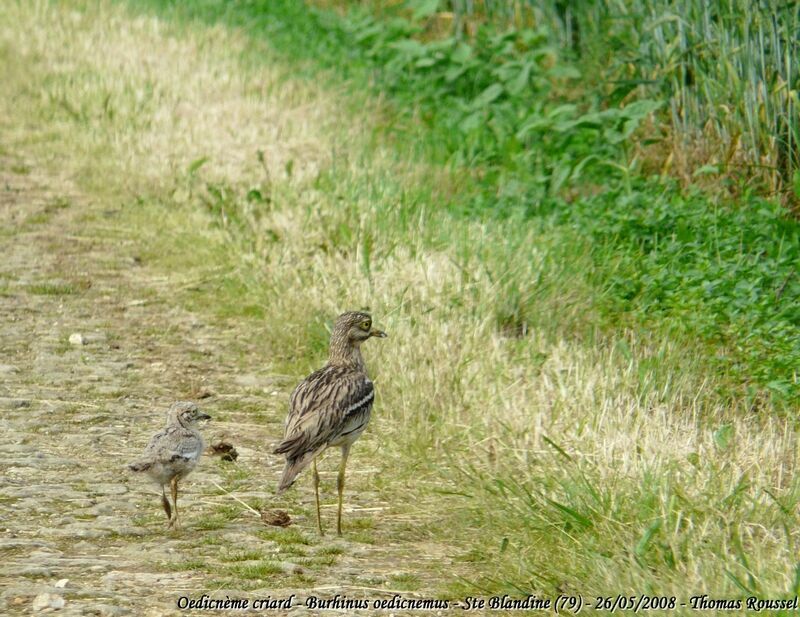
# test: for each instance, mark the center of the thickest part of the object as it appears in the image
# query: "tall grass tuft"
(728, 69)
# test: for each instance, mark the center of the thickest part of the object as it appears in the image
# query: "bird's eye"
(365, 325)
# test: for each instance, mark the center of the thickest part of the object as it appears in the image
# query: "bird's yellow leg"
(315, 476)
(165, 503)
(174, 486)
(340, 486)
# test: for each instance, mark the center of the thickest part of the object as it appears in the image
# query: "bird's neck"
(176, 421)
(344, 353)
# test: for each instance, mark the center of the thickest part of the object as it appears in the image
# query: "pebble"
(249, 380)
(47, 600)
(76, 339)
(290, 568)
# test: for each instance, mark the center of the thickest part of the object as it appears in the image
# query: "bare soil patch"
(93, 347)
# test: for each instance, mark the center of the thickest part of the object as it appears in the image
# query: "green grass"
(285, 537)
(406, 581)
(242, 555)
(52, 289)
(222, 516)
(731, 119)
(530, 145)
(547, 413)
(264, 570)
(211, 540)
(187, 565)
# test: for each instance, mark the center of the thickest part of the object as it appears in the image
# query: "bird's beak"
(203, 416)
(378, 333)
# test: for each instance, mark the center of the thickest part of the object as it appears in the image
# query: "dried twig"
(779, 293)
(235, 498)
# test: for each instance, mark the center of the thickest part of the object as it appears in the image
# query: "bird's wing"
(320, 406)
(172, 443)
(190, 446)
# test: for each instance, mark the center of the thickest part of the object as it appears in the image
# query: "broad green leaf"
(564, 72)
(197, 164)
(461, 53)
(706, 170)
(520, 82)
(425, 62)
(639, 109)
(562, 110)
(783, 388)
(796, 583)
(641, 546)
(534, 124)
(723, 436)
(796, 183)
(487, 96)
(409, 47)
(423, 8)
(471, 122)
(571, 514)
(454, 73)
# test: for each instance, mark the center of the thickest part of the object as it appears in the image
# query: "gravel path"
(92, 352)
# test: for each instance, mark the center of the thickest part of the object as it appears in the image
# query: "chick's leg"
(174, 486)
(165, 504)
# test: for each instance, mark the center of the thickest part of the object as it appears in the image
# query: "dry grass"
(473, 397)
(154, 103)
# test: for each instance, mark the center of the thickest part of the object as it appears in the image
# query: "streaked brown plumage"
(330, 407)
(173, 453)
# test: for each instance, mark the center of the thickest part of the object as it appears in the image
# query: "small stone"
(62, 583)
(47, 600)
(290, 568)
(249, 380)
(76, 339)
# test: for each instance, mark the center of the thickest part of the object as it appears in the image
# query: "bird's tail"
(140, 466)
(293, 468)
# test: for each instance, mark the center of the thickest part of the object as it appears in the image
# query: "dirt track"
(78, 527)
